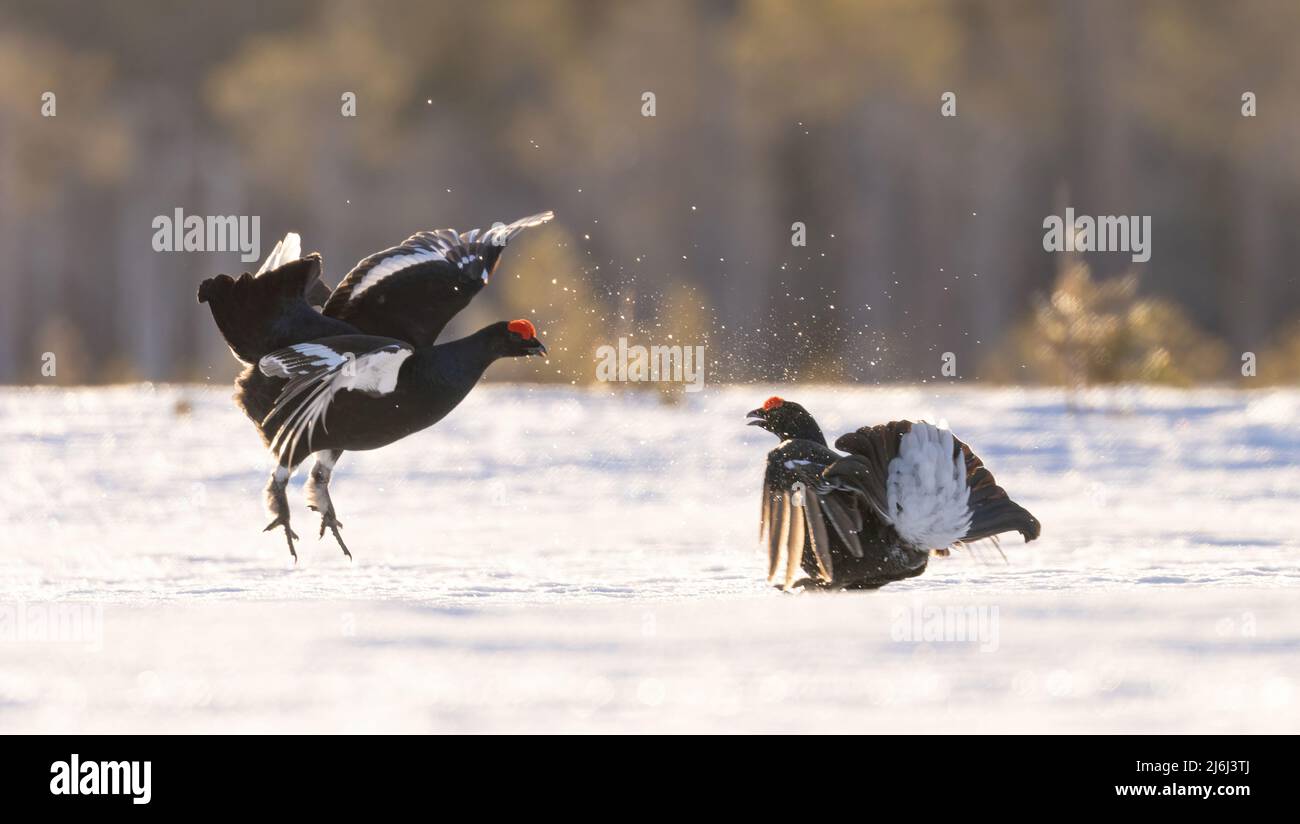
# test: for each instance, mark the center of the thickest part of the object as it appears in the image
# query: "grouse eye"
(772, 403)
(522, 328)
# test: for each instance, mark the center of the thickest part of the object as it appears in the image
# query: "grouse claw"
(328, 521)
(289, 535)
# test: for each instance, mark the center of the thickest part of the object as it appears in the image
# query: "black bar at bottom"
(330, 774)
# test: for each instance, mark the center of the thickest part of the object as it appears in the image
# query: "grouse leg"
(277, 501)
(318, 494)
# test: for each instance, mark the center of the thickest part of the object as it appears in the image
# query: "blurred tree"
(44, 161)
(1280, 363)
(922, 231)
(1088, 332)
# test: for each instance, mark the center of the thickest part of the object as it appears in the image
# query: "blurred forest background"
(924, 233)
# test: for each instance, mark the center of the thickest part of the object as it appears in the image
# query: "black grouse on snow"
(862, 520)
(357, 368)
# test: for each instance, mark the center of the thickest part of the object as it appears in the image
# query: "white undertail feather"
(286, 250)
(927, 495)
(320, 373)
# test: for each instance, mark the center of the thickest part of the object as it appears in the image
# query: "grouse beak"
(536, 347)
(760, 415)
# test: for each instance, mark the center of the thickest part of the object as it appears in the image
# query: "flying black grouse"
(357, 368)
(862, 520)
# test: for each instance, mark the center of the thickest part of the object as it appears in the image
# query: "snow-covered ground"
(553, 559)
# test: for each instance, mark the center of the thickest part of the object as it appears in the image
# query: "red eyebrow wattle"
(523, 328)
(772, 403)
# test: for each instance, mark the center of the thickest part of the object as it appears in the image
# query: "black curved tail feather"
(995, 517)
(259, 314)
(992, 510)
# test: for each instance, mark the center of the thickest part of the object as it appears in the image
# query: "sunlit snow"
(560, 559)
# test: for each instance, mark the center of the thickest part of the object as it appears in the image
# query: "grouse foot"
(328, 521)
(289, 534)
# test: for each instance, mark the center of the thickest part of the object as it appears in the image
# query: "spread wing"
(411, 291)
(319, 370)
(792, 515)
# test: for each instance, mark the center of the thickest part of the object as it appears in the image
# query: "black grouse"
(357, 368)
(862, 520)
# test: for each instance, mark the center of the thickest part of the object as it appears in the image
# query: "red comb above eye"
(772, 403)
(522, 328)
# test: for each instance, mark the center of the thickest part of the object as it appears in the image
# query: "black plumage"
(427, 383)
(261, 313)
(444, 271)
(873, 516)
(363, 371)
